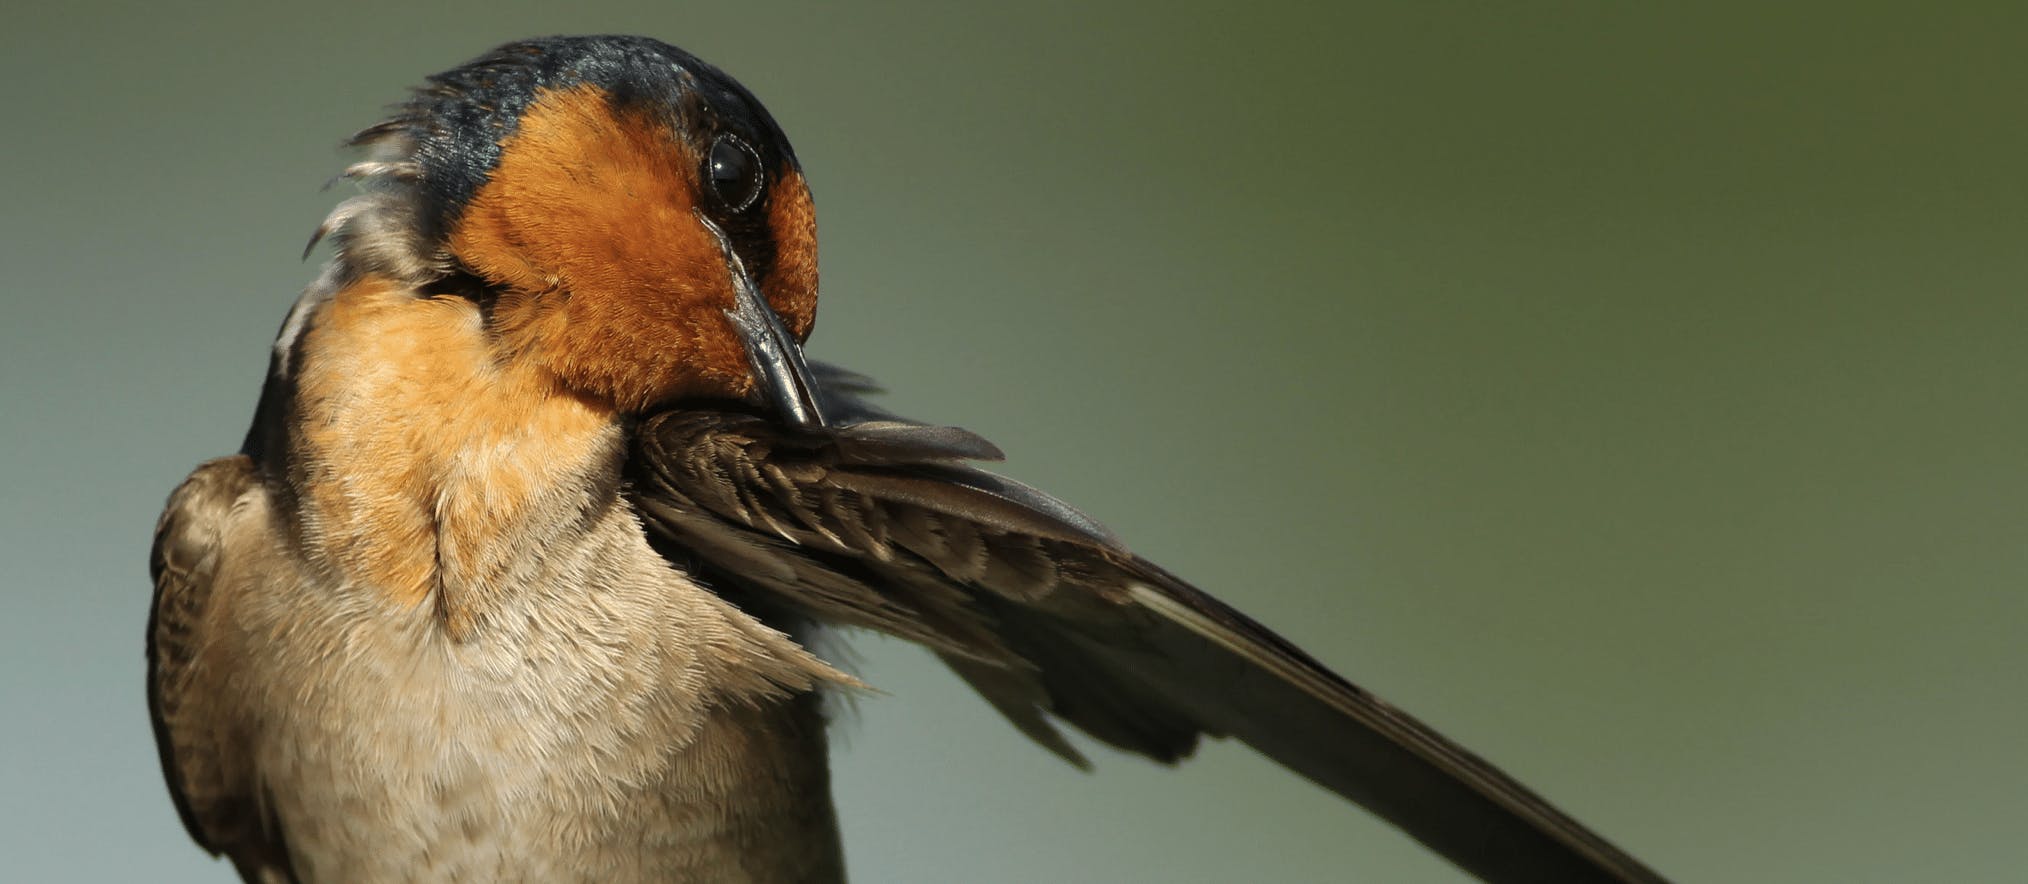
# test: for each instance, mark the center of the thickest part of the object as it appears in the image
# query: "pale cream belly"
(717, 812)
(608, 720)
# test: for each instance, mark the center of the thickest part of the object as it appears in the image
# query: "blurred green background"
(1635, 393)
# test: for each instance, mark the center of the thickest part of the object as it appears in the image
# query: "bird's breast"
(459, 659)
(608, 719)
(426, 462)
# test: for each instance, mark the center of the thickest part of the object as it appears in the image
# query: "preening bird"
(515, 574)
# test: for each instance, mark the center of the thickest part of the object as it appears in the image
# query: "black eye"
(733, 172)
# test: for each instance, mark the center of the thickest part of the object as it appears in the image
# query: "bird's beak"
(781, 378)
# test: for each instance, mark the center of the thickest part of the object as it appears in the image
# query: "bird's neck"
(426, 461)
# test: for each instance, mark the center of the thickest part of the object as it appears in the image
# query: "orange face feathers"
(609, 280)
(609, 198)
(791, 285)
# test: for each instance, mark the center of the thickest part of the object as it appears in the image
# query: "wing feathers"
(215, 792)
(1041, 610)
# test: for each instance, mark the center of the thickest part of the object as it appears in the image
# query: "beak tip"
(781, 377)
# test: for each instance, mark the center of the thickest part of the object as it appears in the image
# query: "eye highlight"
(732, 171)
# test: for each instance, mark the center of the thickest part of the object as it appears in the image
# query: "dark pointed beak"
(780, 375)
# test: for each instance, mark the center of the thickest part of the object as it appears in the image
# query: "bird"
(521, 571)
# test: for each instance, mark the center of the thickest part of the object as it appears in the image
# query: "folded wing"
(882, 524)
(201, 738)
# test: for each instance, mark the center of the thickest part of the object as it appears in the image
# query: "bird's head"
(633, 221)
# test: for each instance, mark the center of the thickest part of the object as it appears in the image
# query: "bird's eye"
(733, 171)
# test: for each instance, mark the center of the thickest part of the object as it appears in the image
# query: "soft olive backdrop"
(1635, 394)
